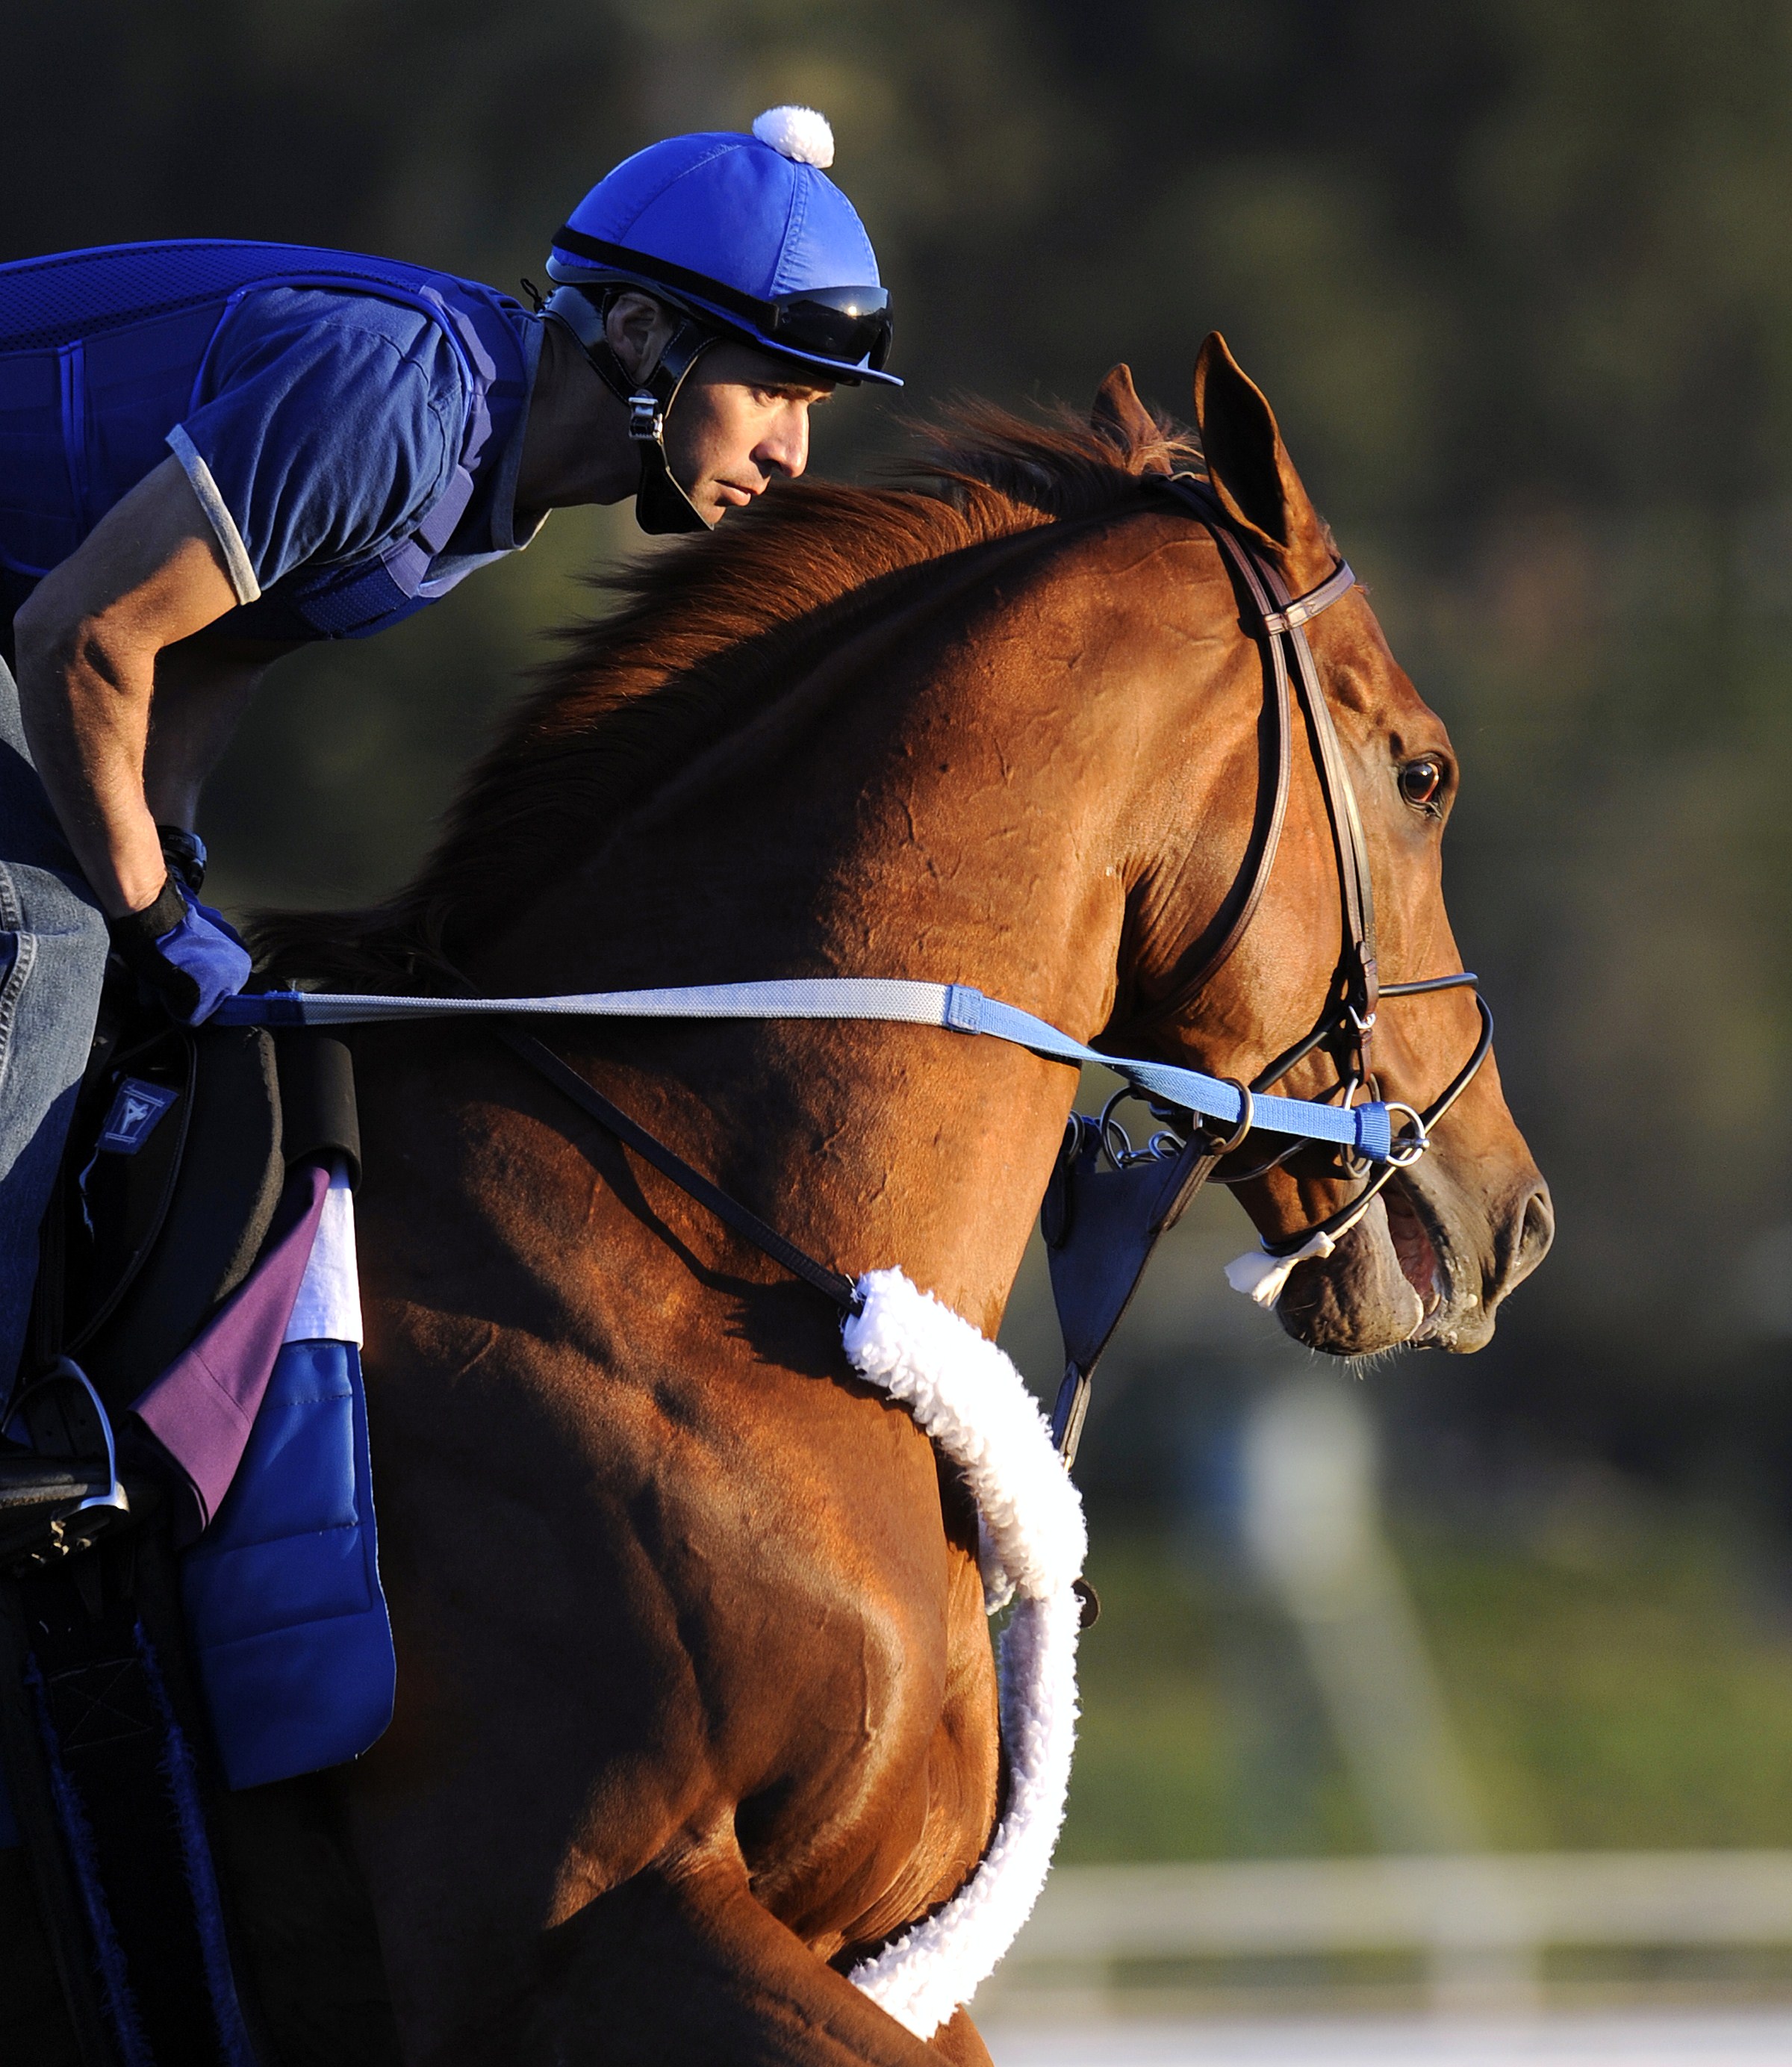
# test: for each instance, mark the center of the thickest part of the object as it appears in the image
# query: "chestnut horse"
(696, 1703)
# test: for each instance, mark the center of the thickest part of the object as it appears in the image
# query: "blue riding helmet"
(743, 237)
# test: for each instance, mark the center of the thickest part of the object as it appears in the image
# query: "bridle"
(1108, 1203)
(1346, 1026)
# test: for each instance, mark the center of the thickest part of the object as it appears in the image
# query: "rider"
(215, 452)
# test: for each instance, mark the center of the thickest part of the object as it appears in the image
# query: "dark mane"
(707, 632)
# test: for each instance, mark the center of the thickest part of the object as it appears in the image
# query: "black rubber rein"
(837, 1286)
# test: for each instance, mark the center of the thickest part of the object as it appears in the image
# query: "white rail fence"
(1480, 1920)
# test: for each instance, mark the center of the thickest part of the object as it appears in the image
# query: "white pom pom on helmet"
(802, 134)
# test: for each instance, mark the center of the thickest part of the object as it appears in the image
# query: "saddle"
(177, 1158)
(180, 1143)
(176, 1154)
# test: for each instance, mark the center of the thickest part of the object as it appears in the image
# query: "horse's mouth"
(1388, 1285)
(1406, 1276)
(1417, 1250)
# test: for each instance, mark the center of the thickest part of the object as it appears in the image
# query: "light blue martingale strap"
(1366, 1129)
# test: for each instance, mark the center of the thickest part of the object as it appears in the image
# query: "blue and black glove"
(185, 952)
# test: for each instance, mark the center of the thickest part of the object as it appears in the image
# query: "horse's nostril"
(1535, 1233)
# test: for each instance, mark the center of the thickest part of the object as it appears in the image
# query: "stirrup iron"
(61, 1492)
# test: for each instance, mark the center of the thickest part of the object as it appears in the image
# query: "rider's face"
(740, 420)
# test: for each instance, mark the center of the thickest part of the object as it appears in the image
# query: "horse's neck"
(958, 804)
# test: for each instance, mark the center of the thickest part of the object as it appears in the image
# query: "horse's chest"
(822, 1594)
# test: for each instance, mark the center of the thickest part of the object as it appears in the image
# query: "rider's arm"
(330, 425)
(151, 573)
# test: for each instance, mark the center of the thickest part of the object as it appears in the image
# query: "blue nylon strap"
(790, 998)
(1365, 1128)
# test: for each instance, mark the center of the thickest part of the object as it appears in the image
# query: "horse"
(697, 1705)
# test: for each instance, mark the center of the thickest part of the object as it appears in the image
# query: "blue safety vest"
(103, 351)
(286, 1617)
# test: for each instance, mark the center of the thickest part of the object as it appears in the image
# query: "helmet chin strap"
(661, 503)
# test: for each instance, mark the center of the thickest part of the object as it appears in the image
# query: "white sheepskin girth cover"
(966, 1395)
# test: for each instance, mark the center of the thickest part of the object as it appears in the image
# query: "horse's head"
(1432, 1257)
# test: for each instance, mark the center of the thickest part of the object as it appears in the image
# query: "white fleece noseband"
(969, 1398)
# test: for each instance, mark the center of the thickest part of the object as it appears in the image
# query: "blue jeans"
(52, 955)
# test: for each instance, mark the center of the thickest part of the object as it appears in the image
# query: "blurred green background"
(1517, 278)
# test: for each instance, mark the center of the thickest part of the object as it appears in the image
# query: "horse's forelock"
(705, 633)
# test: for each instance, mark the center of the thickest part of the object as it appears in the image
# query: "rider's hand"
(188, 954)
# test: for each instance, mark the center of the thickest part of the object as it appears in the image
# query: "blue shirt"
(329, 424)
(352, 428)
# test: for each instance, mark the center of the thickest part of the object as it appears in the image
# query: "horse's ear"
(1249, 465)
(1120, 417)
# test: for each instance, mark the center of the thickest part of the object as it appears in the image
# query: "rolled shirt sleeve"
(240, 567)
(328, 425)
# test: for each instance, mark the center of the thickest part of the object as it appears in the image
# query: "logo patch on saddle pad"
(134, 1112)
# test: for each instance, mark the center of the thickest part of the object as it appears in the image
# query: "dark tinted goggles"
(852, 324)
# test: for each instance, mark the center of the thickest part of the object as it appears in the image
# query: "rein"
(834, 1285)
(1365, 1129)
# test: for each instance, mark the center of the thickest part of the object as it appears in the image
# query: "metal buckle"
(646, 420)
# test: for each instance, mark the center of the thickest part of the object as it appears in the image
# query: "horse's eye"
(1419, 781)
